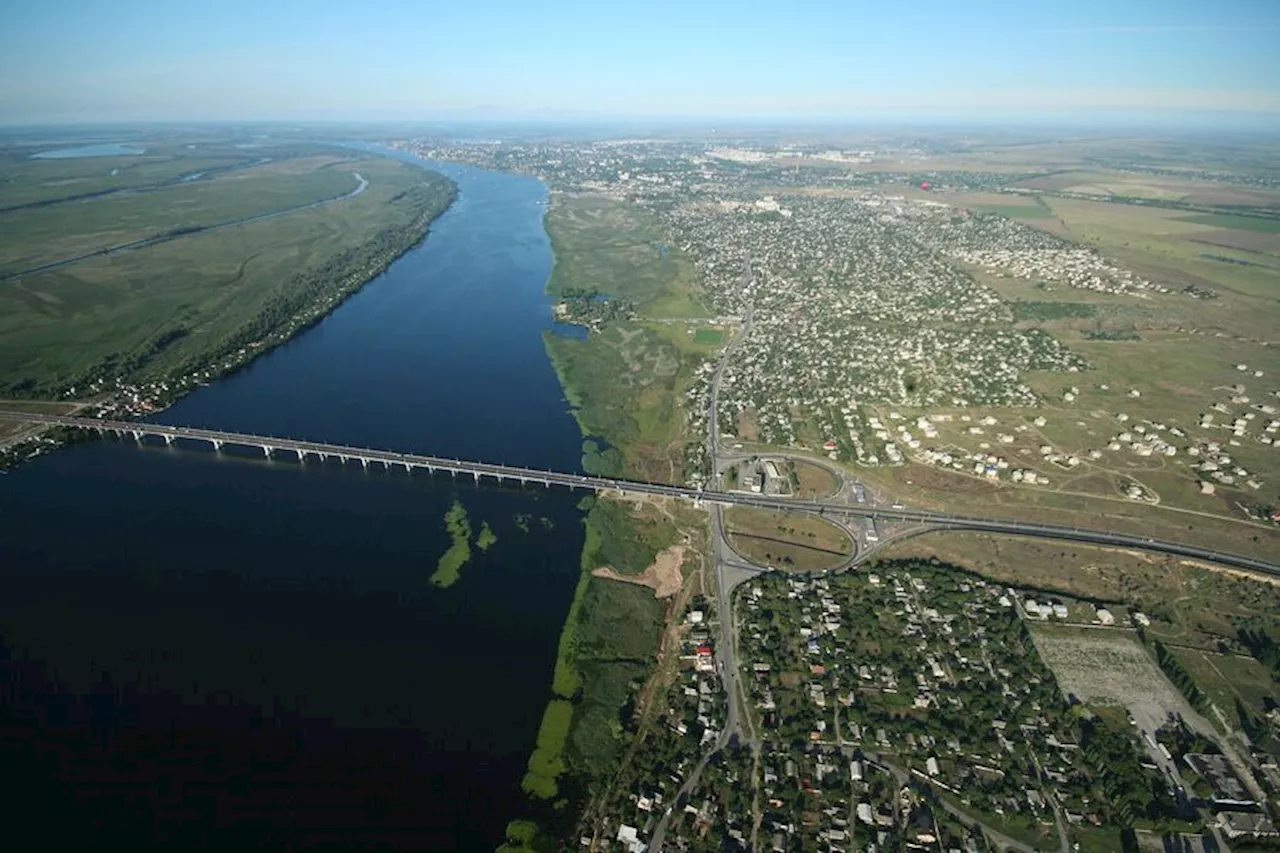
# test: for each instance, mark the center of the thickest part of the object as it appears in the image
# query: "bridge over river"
(270, 445)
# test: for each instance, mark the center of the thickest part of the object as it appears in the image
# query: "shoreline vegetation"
(623, 384)
(449, 566)
(195, 345)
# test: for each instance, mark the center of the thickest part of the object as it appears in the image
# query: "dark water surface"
(218, 651)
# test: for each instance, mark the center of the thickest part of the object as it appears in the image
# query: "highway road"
(939, 520)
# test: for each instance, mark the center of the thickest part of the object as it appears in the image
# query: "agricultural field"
(163, 311)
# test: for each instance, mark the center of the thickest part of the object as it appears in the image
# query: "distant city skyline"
(86, 61)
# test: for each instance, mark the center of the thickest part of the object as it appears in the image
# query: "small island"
(449, 567)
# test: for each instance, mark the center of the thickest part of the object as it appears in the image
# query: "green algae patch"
(523, 836)
(547, 761)
(449, 567)
(486, 537)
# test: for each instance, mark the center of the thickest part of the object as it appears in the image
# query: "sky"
(76, 61)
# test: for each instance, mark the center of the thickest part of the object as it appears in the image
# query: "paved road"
(730, 570)
(165, 237)
(940, 520)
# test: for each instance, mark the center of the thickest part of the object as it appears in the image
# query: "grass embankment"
(206, 301)
(449, 566)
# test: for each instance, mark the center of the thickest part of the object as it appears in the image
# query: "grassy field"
(43, 235)
(924, 486)
(802, 543)
(1016, 211)
(1230, 682)
(1166, 359)
(1247, 223)
(813, 481)
(30, 181)
(10, 429)
(1036, 310)
(171, 307)
(626, 382)
(1151, 187)
(618, 249)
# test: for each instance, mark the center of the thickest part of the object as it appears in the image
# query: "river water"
(218, 650)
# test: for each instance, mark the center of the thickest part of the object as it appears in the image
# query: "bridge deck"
(946, 521)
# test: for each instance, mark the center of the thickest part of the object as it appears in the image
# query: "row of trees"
(1181, 679)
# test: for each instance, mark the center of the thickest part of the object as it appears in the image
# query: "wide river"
(224, 652)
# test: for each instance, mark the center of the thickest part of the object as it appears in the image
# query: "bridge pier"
(137, 435)
(266, 450)
(168, 439)
(364, 461)
(217, 444)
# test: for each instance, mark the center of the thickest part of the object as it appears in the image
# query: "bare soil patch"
(662, 576)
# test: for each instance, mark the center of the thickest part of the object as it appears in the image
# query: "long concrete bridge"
(270, 445)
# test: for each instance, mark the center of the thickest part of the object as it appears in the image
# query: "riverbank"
(625, 383)
(196, 351)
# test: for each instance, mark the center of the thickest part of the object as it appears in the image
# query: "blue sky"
(127, 60)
